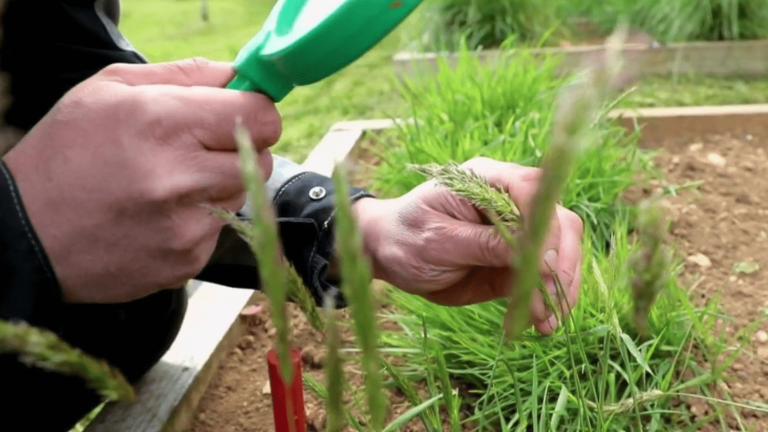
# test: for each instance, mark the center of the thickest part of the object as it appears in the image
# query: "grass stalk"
(42, 348)
(355, 285)
(265, 245)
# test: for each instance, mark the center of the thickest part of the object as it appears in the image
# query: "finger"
(570, 259)
(218, 176)
(496, 283)
(209, 116)
(185, 73)
(569, 263)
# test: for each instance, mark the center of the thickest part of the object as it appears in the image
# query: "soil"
(718, 219)
(718, 225)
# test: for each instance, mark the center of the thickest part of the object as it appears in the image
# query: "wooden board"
(166, 398)
(721, 59)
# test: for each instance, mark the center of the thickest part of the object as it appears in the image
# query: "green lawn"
(165, 30)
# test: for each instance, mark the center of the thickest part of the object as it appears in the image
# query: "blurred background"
(166, 30)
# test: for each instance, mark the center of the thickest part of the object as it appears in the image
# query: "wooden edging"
(167, 397)
(721, 59)
(655, 125)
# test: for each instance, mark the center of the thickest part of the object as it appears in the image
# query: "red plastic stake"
(282, 394)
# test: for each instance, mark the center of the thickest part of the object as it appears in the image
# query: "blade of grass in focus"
(355, 285)
(41, 348)
(265, 244)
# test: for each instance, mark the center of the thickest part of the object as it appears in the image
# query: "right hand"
(116, 177)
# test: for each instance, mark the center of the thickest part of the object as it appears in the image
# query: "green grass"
(691, 90)
(585, 376)
(167, 30)
(489, 23)
(506, 114)
(685, 20)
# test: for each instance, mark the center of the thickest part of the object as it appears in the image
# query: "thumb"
(185, 73)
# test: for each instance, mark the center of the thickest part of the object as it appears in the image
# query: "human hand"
(435, 244)
(116, 177)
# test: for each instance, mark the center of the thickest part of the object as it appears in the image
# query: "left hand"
(432, 243)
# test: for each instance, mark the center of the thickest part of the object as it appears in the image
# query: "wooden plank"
(331, 150)
(720, 59)
(168, 395)
(659, 124)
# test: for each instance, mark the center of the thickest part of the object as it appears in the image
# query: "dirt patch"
(718, 213)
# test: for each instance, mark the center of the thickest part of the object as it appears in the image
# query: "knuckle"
(573, 222)
(115, 70)
(270, 124)
(477, 162)
(528, 174)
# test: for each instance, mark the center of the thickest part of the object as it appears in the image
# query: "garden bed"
(744, 59)
(717, 187)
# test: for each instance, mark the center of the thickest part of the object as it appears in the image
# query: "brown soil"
(239, 399)
(718, 220)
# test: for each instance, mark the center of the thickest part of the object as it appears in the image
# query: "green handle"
(305, 41)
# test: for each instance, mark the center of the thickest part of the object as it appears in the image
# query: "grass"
(691, 90)
(685, 20)
(579, 378)
(598, 372)
(488, 24)
(506, 114)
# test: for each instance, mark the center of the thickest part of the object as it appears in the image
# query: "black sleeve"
(30, 291)
(51, 46)
(304, 207)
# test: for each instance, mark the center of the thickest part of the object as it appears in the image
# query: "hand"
(116, 176)
(432, 243)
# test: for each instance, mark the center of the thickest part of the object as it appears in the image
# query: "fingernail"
(550, 259)
(552, 323)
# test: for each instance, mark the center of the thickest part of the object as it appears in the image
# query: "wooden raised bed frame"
(168, 396)
(719, 59)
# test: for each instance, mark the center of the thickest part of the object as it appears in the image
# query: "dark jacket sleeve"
(29, 290)
(304, 205)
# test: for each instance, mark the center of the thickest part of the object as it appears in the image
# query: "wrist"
(369, 213)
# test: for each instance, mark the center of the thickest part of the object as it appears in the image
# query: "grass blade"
(356, 279)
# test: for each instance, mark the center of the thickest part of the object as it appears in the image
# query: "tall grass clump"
(486, 24)
(620, 358)
(597, 373)
(506, 113)
(685, 20)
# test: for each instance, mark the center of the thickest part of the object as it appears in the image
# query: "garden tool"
(305, 41)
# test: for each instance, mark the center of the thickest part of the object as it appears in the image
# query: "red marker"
(287, 399)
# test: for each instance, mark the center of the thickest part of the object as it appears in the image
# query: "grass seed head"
(651, 262)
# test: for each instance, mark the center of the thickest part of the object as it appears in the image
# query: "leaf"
(559, 408)
(411, 414)
(746, 267)
(635, 352)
